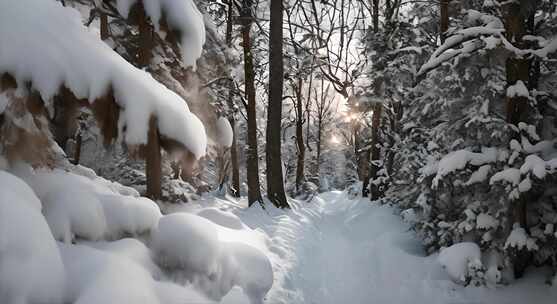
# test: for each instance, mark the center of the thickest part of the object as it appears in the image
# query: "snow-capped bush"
(462, 261)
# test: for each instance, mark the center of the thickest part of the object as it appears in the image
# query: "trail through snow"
(334, 249)
(345, 250)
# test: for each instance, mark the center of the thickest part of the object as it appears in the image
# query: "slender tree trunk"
(375, 16)
(153, 161)
(300, 136)
(375, 151)
(77, 148)
(254, 191)
(235, 189)
(444, 20)
(104, 24)
(275, 182)
(517, 69)
(145, 52)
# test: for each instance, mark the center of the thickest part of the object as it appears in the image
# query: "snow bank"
(129, 215)
(99, 277)
(31, 269)
(196, 250)
(225, 134)
(131, 249)
(89, 207)
(188, 242)
(73, 212)
(456, 258)
(89, 68)
(251, 270)
(181, 15)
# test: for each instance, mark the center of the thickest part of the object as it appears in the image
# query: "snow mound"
(31, 269)
(127, 215)
(250, 269)
(188, 242)
(89, 68)
(131, 249)
(74, 212)
(89, 207)
(222, 218)
(456, 258)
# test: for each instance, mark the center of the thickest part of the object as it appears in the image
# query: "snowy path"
(336, 250)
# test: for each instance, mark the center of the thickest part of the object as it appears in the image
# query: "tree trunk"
(517, 69)
(375, 151)
(145, 52)
(77, 148)
(375, 16)
(235, 187)
(254, 191)
(275, 182)
(299, 136)
(153, 161)
(444, 20)
(104, 24)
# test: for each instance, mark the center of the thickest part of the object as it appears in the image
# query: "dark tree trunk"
(444, 19)
(235, 187)
(145, 52)
(300, 136)
(375, 16)
(517, 69)
(153, 161)
(275, 182)
(254, 191)
(375, 151)
(104, 24)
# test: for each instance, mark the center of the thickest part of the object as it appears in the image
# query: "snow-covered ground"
(332, 249)
(335, 249)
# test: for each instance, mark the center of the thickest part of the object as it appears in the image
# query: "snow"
(486, 221)
(225, 134)
(202, 253)
(89, 207)
(519, 239)
(509, 175)
(479, 175)
(456, 258)
(127, 215)
(31, 266)
(222, 218)
(95, 276)
(181, 15)
(89, 68)
(187, 242)
(458, 160)
(534, 164)
(519, 89)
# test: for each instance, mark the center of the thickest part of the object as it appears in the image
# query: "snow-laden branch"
(46, 45)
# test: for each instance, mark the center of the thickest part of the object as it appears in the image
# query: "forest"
(278, 151)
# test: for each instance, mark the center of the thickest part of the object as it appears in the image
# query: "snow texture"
(31, 269)
(89, 68)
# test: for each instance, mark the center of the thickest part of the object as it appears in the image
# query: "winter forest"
(278, 151)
